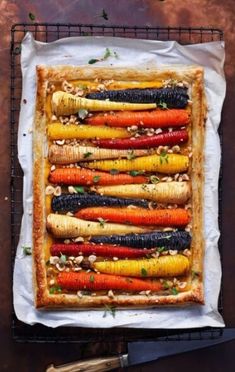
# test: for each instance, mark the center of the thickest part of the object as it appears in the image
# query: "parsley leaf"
(135, 173)
(93, 60)
(32, 17)
(113, 171)
(63, 258)
(160, 249)
(111, 310)
(104, 15)
(163, 157)
(102, 221)
(107, 53)
(92, 279)
(154, 179)
(174, 291)
(162, 105)
(87, 154)
(96, 179)
(27, 250)
(165, 284)
(55, 288)
(144, 272)
(131, 155)
(79, 189)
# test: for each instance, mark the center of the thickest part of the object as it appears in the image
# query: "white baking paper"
(140, 53)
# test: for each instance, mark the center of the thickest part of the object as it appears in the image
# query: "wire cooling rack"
(47, 33)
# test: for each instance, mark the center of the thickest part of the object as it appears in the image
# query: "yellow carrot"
(162, 192)
(62, 226)
(162, 266)
(169, 163)
(113, 84)
(66, 104)
(58, 131)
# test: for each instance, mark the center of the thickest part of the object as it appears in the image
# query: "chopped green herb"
(163, 157)
(174, 291)
(82, 114)
(107, 53)
(96, 179)
(104, 15)
(163, 105)
(17, 50)
(165, 284)
(195, 274)
(102, 221)
(144, 272)
(113, 171)
(160, 249)
(32, 17)
(93, 60)
(131, 155)
(87, 154)
(79, 189)
(54, 289)
(27, 250)
(154, 179)
(111, 310)
(135, 173)
(92, 278)
(63, 258)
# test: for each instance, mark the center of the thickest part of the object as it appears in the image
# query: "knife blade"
(142, 352)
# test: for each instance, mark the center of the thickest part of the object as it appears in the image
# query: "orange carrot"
(137, 216)
(90, 281)
(86, 177)
(153, 119)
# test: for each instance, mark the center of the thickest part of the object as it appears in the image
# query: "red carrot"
(74, 281)
(104, 250)
(137, 216)
(166, 138)
(152, 119)
(86, 177)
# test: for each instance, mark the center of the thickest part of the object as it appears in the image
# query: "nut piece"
(182, 285)
(79, 239)
(72, 190)
(54, 260)
(79, 294)
(60, 142)
(50, 190)
(60, 266)
(173, 252)
(57, 191)
(78, 260)
(176, 149)
(92, 258)
(110, 293)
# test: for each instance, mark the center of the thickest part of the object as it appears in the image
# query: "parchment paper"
(131, 52)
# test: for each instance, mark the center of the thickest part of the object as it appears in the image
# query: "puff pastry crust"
(48, 76)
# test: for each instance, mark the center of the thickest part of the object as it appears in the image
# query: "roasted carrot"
(66, 104)
(162, 192)
(162, 266)
(138, 216)
(167, 138)
(68, 154)
(104, 250)
(165, 163)
(58, 131)
(86, 177)
(114, 84)
(150, 119)
(62, 226)
(94, 282)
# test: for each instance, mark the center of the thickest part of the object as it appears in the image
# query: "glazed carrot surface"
(137, 216)
(152, 119)
(86, 177)
(91, 281)
(167, 138)
(102, 250)
(165, 163)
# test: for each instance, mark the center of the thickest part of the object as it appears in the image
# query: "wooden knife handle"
(89, 365)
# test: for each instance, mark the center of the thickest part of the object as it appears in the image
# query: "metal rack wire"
(47, 33)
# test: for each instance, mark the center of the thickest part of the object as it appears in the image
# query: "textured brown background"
(207, 13)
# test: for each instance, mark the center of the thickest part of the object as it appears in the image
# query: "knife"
(141, 352)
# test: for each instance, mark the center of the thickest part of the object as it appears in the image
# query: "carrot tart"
(118, 187)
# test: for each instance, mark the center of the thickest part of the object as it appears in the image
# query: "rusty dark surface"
(205, 13)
